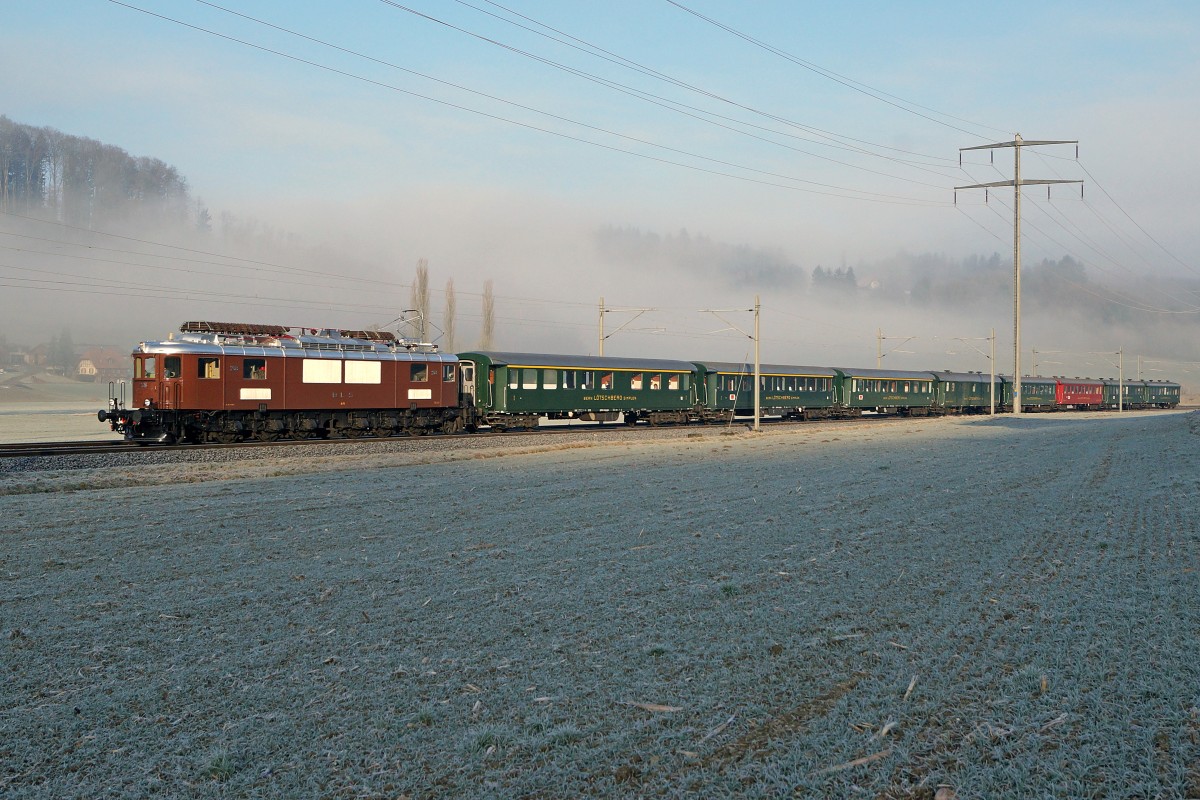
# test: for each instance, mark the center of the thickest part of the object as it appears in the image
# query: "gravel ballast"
(997, 607)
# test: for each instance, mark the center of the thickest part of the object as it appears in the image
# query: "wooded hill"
(84, 182)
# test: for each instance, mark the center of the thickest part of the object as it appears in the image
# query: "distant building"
(103, 364)
(37, 356)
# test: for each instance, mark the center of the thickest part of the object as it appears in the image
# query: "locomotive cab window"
(172, 366)
(208, 368)
(420, 373)
(144, 368)
(448, 373)
(254, 369)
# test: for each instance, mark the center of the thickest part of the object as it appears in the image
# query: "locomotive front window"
(254, 369)
(172, 366)
(144, 368)
(208, 368)
(420, 373)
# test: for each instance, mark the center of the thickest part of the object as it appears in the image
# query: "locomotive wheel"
(381, 433)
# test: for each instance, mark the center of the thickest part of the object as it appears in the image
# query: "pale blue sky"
(341, 158)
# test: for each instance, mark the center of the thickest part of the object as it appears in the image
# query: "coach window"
(254, 369)
(529, 378)
(549, 379)
(448, 373)
(656, 382)
(171, 366)
(208, 368)
(420, 373)
(635, 381)
(514, 378)
(144, 368)
(673, 383)
(587, 380)
(569, 379)
(606, 382)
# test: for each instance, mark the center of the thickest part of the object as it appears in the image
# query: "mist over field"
(660, 287)
(113, 248)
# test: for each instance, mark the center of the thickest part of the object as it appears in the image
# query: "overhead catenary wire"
(843, 80)
(837, 141)
(862, 195)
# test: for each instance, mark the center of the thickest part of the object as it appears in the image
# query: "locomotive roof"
(742, 368)
(343, 349)
(577, 362)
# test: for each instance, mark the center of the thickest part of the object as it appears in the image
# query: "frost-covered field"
(52, 422)
(1007, 608)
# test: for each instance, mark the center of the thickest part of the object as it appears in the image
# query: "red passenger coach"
(229, 381)
(1079, 393)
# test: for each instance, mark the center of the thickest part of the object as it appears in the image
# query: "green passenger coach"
(725, 388)
(967, 392)
(1037, 394)
(516, 390)
(887, 391)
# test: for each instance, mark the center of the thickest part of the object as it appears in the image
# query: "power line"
(866, 195)
(607, 55)
(841, 79)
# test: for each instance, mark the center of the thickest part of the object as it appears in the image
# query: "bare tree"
(420, 301)
(448, 317)
(489, 318)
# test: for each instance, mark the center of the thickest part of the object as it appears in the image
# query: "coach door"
(468, 378)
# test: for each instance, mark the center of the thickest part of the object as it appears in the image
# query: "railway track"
(48, 449)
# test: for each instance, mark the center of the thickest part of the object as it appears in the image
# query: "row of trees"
(84, 182)
(420, 324)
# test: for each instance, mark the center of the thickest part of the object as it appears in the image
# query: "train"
(229, 382)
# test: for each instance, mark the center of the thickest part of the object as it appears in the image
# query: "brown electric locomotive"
(225, 382)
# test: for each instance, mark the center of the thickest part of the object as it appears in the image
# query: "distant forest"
(81, 181)
(928, 280)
